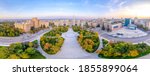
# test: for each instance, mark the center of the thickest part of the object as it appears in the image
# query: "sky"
(74, 8)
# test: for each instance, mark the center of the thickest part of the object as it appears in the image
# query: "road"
(133, 40)
(6, 41)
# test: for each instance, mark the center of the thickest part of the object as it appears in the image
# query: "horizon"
(22, 9)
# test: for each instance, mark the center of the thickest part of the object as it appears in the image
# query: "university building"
(34, 22)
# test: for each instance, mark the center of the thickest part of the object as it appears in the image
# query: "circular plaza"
(125, 32)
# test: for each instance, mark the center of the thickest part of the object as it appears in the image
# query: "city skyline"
(70, 8)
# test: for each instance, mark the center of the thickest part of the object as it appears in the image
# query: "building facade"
(34, 22)
(24, 26)
(127, 21)
(115, 26)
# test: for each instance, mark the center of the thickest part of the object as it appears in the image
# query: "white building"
(115, 26)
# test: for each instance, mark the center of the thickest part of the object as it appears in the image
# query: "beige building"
(24, 26)
(35, 22)
(94, 24)
(44, 23)
(136, 21)
(66, 22)
(78, 22)
(56, 22)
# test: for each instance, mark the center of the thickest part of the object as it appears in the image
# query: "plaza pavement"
(70, 49)
(128, 33)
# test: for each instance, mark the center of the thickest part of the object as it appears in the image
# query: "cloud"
(122, 3)
(140, 10)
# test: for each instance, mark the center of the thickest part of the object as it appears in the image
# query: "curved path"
(70, 49)
(6, 41)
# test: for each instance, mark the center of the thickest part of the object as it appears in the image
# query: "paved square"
(127, 33)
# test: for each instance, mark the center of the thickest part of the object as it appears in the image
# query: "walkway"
(145, 57)
(6, 41)
(71, 49)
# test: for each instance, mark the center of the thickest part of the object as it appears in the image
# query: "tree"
(19, 51)
(15, 46)
(117, 54)
(31, 44)
(24, 55)
(54, 49)
(80, 38)
(88, 45)
(47, 46)
(59, 42)
(4, 52)
(104, 42)
(30, 50)
(53, 43)
(133, 53)
(86, 25)
(57, 35)
(8, 29)
(35, 43)
(13, 56)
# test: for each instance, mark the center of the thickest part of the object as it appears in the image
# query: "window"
(115, 27)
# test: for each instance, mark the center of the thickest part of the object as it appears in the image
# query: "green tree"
(31, 44)
(88, 45)
(13, 56)
(4, 52)
(24, 55)
(15, 46)
(30, 50)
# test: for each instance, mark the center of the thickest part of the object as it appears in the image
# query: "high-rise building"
(127, 22)
(35, 22)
